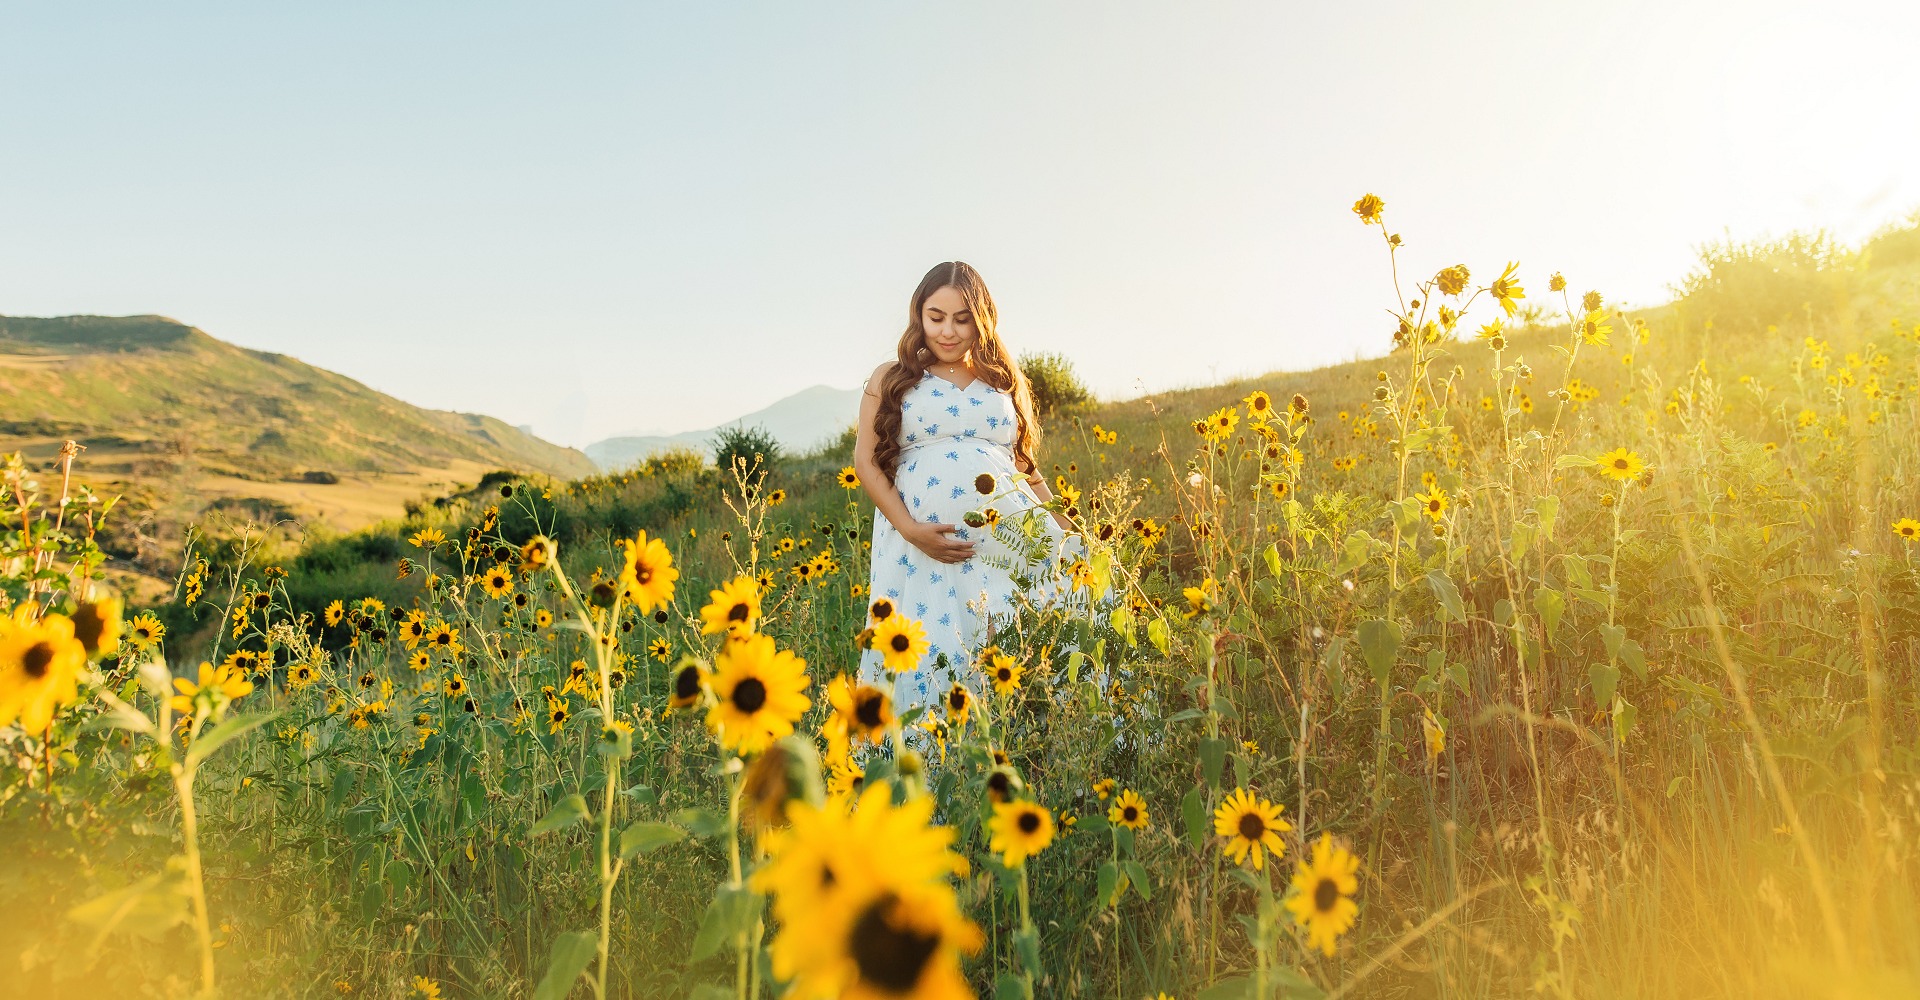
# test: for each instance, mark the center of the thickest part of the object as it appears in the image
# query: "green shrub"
(753, 446)
(1055, 387)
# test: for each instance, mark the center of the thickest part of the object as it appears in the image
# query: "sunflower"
(420, 660)
(864, 710)
(1259, 405)
(959, 704)
(880, 610)
(1368, 208)
(334, 613)
(648, 574)
(145, 631)
(542, 618)
(849, 479)
(1251, 826)
(1001, 670)
(733, 608)
(1594, 329)
(1907, 529)
(1020, 829)
(901, 642)
(557, 714)
(1433, 504)
(456, 686)
(534, 553)
(97, 624)
(1322, 899)
(1129, 810)
(1104, 788)
(413, 628)
(427, 538)
(844, 777)
(757, 694)
(1506, 290)
(441, 637)
(40, 665)
(216, 685)
(1201, 599)
(689, 682)
(1620, 464)
(497, 582)
(860, 896)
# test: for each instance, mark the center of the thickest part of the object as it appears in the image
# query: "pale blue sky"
(652, 217)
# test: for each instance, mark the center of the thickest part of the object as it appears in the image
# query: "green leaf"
(1108, 882)
(1008, 986)
(569, 810)
(703, 823)
(1272, 556)
(1157, 634)
(572, 952)
(1635, 660)
(645, 838)
(120, 715)
(1213, 754)
(1605, 677)
(1451, 607)
(147, 907)
(219, 735)
(1573, 462)
(1193, 812)
(1237, 988)
(1522, 540)
(1137, 876)
(1547, 508)
(1357, 547)
(730, 915)
(1551, 605)
(1026, 944)
(1379, 644)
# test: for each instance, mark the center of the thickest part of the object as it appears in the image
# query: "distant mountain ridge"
(804, 420)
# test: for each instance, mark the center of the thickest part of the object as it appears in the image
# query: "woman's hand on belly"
(937, 541)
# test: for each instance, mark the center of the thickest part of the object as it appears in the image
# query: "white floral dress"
(954, 441)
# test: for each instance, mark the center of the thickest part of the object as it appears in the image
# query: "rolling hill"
(180, 421)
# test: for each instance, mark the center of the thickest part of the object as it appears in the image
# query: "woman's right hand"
(937, 541)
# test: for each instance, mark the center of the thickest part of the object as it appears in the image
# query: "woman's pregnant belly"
(940, 482)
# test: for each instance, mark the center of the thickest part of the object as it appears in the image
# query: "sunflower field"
(1563, 651)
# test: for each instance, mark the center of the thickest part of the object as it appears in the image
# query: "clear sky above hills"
(631, 217)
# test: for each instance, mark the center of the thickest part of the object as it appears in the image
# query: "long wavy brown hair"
(996, 367)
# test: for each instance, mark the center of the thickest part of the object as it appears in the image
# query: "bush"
(1745, 286)
(1055, 387)
(754, 446)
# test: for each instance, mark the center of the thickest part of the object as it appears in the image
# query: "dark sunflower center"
(901, 643)
(87, 625)
(889, 956)
(883, 610)
(1130, 814)
(1325, 895)
(867, 710)
(1620, 463)
(559, 715)
(998, 783)
(1004, 675)
(956, 699)
(750, 695)
(1029, 822)
(687, 684)
(738, 613)
(38, 659)
(1252, 826)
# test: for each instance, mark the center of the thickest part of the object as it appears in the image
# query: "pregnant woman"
(945, 429)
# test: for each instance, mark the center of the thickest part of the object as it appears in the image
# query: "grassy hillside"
(179, 420)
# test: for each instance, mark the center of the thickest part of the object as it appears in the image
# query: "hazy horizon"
(601, 219)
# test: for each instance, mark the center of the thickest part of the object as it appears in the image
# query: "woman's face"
(948, 324)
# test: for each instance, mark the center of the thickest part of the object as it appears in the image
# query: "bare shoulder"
(879, 375)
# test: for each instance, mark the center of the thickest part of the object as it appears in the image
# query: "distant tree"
(1056, 389)
(755, 447)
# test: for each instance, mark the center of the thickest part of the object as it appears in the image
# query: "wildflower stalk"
(610, 867)
(190, 834)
